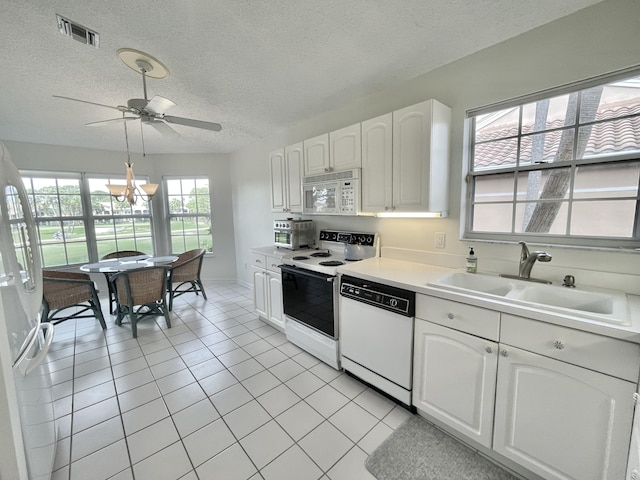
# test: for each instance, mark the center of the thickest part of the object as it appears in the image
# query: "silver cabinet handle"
(504, 353)
(559, 344)
(274, 265)
(450, 316)
(258, 261)
(489, 349)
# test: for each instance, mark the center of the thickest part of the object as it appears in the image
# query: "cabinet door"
(293, 156)
(559, 420)
(316, 155)
(274, 288)
(278, 184)
(345, 148)
(421, 157)
(260, 304)
(454, 379)
(377, 156)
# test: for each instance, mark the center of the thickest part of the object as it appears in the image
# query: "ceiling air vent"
(78, 32)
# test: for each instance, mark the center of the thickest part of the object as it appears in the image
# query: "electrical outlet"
(441, 239)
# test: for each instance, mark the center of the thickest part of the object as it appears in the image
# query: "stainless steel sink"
(608, 306)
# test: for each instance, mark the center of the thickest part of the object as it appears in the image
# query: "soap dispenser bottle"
(472, 262)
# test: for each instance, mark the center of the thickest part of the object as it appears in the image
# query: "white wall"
(600, 39)
(219, 266)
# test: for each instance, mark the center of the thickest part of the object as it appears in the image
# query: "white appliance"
(376, 335)
(310, 291)
(28, 440)
(335, 193)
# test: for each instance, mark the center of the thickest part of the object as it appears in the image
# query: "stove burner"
(352, 259)
(321, 254)
(300, 257)
(331, 263)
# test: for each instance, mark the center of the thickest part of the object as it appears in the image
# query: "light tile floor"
(220, 395)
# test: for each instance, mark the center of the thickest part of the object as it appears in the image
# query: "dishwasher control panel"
(382, 296)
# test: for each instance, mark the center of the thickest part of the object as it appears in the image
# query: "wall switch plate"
(441, 239)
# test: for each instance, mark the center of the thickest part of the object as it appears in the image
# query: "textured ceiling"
(256, 67)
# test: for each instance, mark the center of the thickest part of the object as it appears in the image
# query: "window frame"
(87, 218)
(566, 239)
(173, 216)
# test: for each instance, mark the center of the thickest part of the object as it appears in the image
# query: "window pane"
(547, 114)
(494, 188)
(189, 207)
(492, 217)
(546, 217)
(547, 147)
(496, 125)
(498, 154)
(544, 184)
(603, 218)
(616, 100)
(614, 137)
(607, 180)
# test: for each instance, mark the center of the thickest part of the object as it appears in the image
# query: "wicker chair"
(64, 290)
(109, 256)
(184, 275)
(144, 288)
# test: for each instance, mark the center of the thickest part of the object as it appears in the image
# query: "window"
(78, 221)
(57, 208)
(118, 225)
(558, 168)
(189, 207)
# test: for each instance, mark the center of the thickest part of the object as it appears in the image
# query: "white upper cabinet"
(405, 160)
(377, 156)
(316, 155)
(286, 179)
(345, 148)
(333, 152)
(293, 157)
(421, 135)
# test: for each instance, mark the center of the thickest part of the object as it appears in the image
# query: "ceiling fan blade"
(90, 103)
(189, 122)
(164, 129)
(102, 122)
(159, 105)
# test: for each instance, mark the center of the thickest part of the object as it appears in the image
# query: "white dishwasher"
(376, 335)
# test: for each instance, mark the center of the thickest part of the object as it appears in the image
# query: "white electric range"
(310, 291)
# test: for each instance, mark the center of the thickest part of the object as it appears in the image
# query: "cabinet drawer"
(459, 316)
(272, 263)
(596, 352)
(258, 260)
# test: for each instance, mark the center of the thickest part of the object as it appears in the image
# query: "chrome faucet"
(527, 259)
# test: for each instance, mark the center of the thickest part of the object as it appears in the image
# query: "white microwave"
(332, 193)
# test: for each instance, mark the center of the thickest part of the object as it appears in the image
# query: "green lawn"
(75, 247)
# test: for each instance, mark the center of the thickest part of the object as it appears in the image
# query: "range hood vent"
(78, 32)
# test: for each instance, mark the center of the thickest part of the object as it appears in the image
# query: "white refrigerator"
(28, 433)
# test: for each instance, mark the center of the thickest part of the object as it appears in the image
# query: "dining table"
(114, 265)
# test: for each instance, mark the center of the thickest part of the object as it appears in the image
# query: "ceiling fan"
(149, 111)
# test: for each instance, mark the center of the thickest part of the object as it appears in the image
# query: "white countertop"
(417, 277)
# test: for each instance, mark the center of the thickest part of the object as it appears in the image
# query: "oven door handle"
(307, 273)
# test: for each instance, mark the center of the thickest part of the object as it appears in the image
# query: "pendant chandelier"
(131, 192)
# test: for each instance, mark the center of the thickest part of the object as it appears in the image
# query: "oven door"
(310, 299)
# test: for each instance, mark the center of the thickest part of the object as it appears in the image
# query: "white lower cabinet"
(454, 379)
(557, 402)
(559, 420)
(267, 289)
